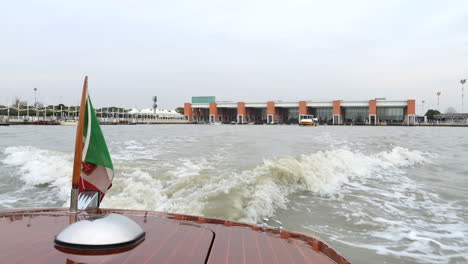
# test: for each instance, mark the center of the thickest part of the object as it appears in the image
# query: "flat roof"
(314, 104)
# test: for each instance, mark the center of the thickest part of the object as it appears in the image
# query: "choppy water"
(377, 194)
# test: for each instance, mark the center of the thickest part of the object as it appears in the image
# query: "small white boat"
(68, 123)
(308, 121)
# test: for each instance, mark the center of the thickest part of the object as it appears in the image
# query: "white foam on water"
(426, 229)
(322, 173)
(135, 190)
(394, 215)
(195, 186)
(41, 167)
(178, 190)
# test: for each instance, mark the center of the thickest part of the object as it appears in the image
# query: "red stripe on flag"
(86, 186)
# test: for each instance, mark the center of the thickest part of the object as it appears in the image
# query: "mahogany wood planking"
(28, 235)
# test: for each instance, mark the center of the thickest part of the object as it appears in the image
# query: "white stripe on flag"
(99, 178)
(88, 132)
(110, 174)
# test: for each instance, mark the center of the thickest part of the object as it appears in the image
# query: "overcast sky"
(235, 50)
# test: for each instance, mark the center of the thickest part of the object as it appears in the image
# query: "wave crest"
(41, 167)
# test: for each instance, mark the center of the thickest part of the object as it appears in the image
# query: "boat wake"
(196, 186)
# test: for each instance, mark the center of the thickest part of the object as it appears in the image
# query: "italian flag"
(97, 170)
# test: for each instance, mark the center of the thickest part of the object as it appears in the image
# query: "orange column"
(188, 111)
(241, 110)
(302, 107)
(372, 112)
(411, 110)
(372, 107)
(337, 112)
(214, 111)
(271, 108)
(337, 107)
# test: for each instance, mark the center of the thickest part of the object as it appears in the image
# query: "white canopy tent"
(160, 113)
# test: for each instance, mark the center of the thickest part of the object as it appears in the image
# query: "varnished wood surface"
(27, 237)
(79, 137)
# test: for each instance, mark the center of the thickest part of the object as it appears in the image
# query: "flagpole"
(78, 150)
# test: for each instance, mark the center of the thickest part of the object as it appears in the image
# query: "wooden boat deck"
(27, 237)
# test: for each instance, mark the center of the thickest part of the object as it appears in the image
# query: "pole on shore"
(463, 81)
(35, 98)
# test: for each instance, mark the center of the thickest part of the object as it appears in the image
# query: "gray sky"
(236, 50)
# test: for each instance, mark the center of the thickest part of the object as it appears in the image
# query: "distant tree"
(431, 113)
(112, 109)
(180, 110)
(450, 110)
(19, 102)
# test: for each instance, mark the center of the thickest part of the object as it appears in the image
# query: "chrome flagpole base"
(88, 200)
(74, 201)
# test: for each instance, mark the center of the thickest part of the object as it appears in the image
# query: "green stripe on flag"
(97, 150)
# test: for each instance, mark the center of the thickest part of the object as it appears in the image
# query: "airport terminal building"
(205, 109)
